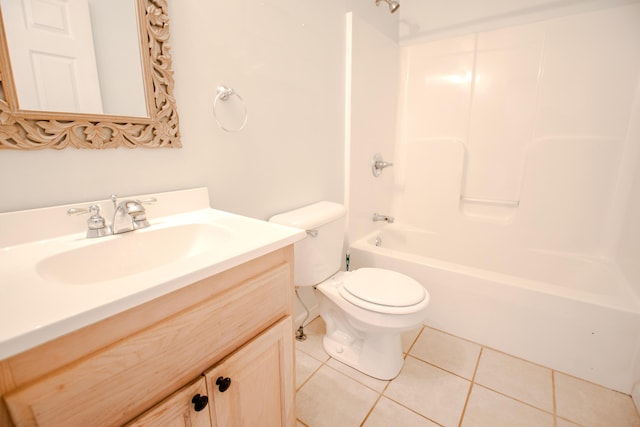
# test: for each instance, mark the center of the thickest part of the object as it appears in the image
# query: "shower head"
(393, 5)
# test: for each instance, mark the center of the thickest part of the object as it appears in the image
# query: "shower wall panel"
(518, 135)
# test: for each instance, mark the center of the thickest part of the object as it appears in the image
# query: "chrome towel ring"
(224, 94)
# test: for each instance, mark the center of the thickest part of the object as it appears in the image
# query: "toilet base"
(378, 356)
(365, 340)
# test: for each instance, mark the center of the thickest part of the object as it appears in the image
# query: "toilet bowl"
(365, 311)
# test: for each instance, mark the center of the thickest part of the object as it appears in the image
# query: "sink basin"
(54, 280)
(128, 254)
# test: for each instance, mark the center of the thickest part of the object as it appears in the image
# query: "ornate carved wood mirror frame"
(34, 130)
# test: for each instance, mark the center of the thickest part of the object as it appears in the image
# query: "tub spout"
(379, 217)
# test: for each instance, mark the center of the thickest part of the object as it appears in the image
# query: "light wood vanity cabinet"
(249, 388)
(148, 363)
(178, 409)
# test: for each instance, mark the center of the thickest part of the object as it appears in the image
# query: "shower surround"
(516, 145)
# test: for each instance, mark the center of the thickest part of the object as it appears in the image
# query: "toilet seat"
(382, 291)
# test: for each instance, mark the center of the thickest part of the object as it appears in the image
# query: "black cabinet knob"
(223, 384)
(199, 402)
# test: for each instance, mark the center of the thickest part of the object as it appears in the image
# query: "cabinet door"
(255, 385)
(120, 381)
(188, 407)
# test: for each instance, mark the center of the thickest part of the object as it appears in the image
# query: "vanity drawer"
(118, 382)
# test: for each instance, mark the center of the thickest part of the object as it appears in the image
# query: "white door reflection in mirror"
(52, 55)
(119, 57)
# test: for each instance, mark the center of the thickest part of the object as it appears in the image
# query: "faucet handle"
(96, 224)
(81, 211)
(148, 201)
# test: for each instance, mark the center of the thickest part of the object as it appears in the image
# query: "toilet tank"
(318, 256)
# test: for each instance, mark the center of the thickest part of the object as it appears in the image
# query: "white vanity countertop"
(36, 307)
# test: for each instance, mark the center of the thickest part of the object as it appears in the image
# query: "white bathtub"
(569, 313)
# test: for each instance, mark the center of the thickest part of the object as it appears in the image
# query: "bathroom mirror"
(86, 113)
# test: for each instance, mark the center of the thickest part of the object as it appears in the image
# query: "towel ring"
(223, 94)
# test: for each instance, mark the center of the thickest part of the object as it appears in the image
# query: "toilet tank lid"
(311, 216)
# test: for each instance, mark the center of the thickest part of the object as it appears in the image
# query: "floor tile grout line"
(553, 395)
(364, 420)
(355, 379)
(471, 384)
(380, 393)
(405, 355)
(425, 326)
(552, 412)
(410, 409)
(553, 372)
(452, 335)
(483, 348)
(438, 367)
(591, 383)
(309, 354)
(387, 381)
(514, 399)
(415, 340)
(310, 376)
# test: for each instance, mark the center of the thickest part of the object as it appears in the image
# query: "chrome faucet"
(96, 224)
(129, 215)
(379, 217)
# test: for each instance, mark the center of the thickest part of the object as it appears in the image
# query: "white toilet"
(365, 310)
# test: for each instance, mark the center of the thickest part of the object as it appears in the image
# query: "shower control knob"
(378, 164)
(199, 402)
(223, 384)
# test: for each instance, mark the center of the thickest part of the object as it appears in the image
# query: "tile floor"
(448, 381)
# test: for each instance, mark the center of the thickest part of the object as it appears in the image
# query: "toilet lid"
(382, 287)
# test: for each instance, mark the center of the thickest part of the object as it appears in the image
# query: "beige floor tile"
(564, 423)
(430, 391)
(488, 408)
(591, 405)
(388, 413)
(516, 378)
(364, 379)
(409, 337)
(315, 330)
(305, 367)
(447, 352)
(332, 399)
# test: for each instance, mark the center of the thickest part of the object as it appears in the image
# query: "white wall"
(536, 114)
(285, 57)
(371, 62)
(372, 87)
